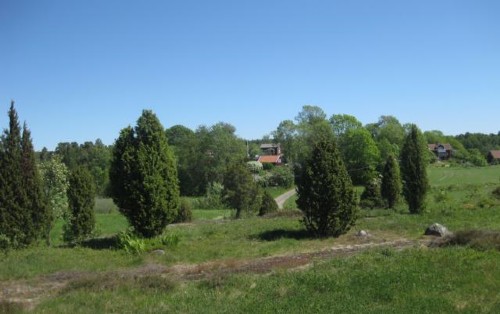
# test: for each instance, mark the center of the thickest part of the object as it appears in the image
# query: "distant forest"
(203, 154)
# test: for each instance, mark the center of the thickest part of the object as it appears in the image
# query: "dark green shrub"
(268, 204)
(391, 182)
(414, 170)
(80, 219)
(143, 176)
(371, 196)
(268, 166)
(213, 199)
(281, 176)
(325, 192)
(240, 190)
(185, 213)
(496, 193)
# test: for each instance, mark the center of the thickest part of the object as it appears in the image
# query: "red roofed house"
(442, 151)
(271, 154)
(494, 157)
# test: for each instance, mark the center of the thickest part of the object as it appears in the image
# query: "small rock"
(158, 252)
(437, 230)
(362, 234)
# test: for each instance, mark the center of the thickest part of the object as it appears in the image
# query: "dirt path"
(280, 200)
(28, 293)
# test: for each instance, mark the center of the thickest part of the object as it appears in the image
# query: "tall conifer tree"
(325, 192)
(80, 221)
(414, 170)
(22, 206)
(143, 176)
(391, 181)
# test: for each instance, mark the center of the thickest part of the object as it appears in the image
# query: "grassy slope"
(459, 198)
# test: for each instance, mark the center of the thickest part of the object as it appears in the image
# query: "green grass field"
(452, 279)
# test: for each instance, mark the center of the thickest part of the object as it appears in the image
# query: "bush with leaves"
(80, 220)
(240, 190)
(214, 198)
(281, 176)
(325, 192)
(185, 213)
(371, 196)
(268, 204)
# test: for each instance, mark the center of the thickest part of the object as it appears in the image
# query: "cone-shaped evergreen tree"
(15, 218)
(391, 181)
(268, 204)
(414, 170)
(36, 202)
(325, 192)
(80, 219)
(240, 190)
(143, 176)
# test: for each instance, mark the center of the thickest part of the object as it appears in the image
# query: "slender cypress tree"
(143, 176)
(80, 220)
(391, 181)
(15, 219)
(36, 202)
(414, 170)
(325, 192)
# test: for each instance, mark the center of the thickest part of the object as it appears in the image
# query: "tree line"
(148, 167)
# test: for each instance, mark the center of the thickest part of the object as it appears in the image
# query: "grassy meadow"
(419, 279)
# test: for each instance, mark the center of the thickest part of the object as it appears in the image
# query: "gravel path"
(280, 200)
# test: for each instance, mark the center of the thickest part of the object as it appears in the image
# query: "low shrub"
(281, 176)
(214, 198)
(131, 243)
(185, 213)
(477, 239)
(496, 193)
(268, 204)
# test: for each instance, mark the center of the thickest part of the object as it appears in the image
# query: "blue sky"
(81, 70)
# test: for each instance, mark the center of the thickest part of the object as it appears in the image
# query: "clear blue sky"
(81, 70)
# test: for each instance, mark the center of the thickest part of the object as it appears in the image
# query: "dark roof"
(435, 146)
(267, 146)
(495, 154)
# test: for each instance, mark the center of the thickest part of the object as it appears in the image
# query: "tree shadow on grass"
(278, 234)
(104, 243)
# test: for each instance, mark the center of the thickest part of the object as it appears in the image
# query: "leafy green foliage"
(80, 219)
(343, 123)
(96, 157)
(414, 170)
(268, 204)
(391, 182)
(371, 196)
(361, 155)
(23, 209)
(240, 190)
(281, 176)
(144, 176)
(214, 197)
(185, 213)
(325, 192)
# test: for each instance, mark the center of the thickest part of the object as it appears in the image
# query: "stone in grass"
(362, 234)
(437, 230)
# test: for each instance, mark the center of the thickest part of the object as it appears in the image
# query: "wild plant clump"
(268, 205)
(496, 193)
(185, 213)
